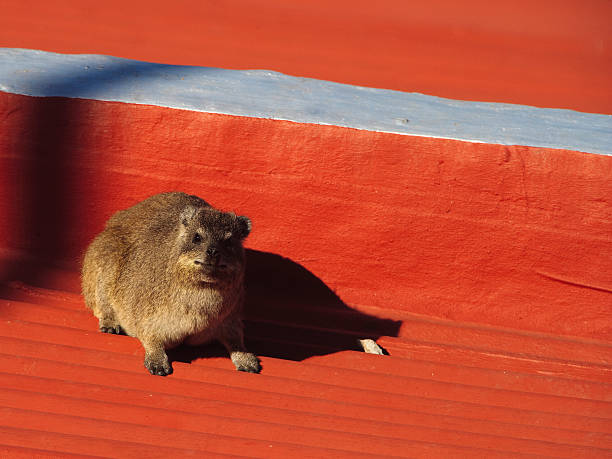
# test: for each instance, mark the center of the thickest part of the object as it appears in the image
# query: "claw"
(158, 369)
(249, 369)
(116, 330)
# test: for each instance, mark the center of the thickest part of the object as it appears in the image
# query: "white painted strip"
(266, 94)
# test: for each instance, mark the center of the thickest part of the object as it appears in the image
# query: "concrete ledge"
(271, 95)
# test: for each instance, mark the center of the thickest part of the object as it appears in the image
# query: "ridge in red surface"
(65, 387)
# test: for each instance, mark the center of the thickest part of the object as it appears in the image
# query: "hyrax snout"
(170, 270)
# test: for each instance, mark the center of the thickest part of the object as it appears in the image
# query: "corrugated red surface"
(447, 390)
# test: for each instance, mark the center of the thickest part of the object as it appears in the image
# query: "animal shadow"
(291, 314)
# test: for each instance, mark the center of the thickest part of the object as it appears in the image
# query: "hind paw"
(247, 362)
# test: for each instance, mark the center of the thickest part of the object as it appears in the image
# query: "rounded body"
(170, 270)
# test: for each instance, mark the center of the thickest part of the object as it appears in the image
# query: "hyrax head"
(210, 242)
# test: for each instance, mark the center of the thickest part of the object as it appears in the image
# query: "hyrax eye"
(197, 238)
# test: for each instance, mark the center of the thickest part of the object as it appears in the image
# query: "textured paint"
(265, 94)
(447, 390)
(504, 235)
(549, 53)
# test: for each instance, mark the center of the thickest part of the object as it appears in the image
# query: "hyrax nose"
(212, 252)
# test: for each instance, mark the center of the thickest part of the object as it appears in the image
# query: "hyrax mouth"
(207, 271)
(204, 270)
(211, 273)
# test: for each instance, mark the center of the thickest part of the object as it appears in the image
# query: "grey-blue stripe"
(272, 95)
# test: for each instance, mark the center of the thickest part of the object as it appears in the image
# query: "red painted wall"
(510, 236)
(551, 53)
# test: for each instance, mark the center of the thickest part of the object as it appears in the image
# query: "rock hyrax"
(170, 270)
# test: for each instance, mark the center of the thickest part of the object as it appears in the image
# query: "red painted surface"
(66, 388)
(552, 53)
(516, 237)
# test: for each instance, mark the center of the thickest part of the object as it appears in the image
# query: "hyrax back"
(170, 270)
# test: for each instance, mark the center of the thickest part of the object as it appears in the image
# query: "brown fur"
(170, 270)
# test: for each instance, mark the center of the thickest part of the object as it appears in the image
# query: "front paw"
(113, 330)
(108, 324)
(159, 366)
(245, 361)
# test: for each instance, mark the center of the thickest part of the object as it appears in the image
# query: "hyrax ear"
(243, 225)
(187, 215)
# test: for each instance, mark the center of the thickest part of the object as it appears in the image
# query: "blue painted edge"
(272, 95)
